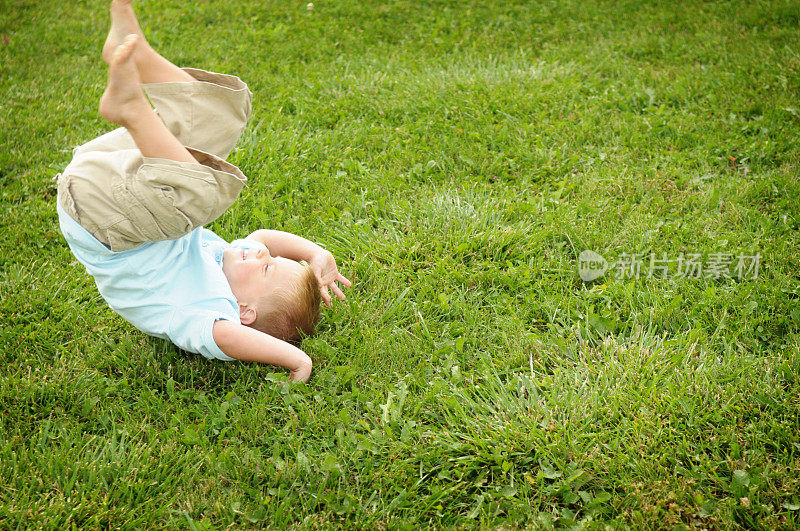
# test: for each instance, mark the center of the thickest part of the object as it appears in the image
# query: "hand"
(301, 373)
(324, 266)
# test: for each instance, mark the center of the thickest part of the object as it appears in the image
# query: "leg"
(150, 66)
(203, 110)
(124, 103)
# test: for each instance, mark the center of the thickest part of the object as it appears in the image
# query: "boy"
(132, 203)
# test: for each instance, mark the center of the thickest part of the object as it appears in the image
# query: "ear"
(247, 314)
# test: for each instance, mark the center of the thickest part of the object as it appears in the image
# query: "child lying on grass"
(132, 204)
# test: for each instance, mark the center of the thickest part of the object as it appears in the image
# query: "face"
(254, 272)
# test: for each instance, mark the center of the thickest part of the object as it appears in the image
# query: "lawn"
(457, 158)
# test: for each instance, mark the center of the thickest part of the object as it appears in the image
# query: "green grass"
(456, 158)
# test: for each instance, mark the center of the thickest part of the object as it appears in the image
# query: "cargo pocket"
(180, 199)
(136, 207)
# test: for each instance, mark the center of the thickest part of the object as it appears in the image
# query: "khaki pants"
(124, 199)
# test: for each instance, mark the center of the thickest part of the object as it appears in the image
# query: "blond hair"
(292, 311)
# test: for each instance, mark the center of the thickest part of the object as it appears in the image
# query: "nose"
(262, 253)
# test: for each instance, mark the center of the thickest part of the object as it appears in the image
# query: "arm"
(297, 248)
(248, 344)
(286, 244)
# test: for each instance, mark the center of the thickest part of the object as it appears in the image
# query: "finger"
(326, 297)
(337, 291)
(344, 281)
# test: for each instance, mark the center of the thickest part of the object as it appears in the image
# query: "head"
(276, 295)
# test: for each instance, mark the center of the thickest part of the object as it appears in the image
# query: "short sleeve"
(193, 330)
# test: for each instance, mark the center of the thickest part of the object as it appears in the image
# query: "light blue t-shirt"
(172, 289)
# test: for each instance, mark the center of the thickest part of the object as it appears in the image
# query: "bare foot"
(123, 22)
(123, 101)
(153, 68)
